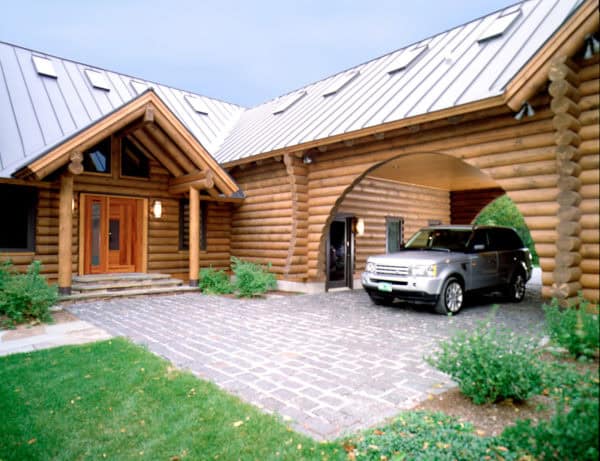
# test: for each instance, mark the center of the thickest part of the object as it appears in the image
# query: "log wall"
(465, 205)
(588, 162)
(374, 199)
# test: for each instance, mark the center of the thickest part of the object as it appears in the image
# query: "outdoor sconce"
(157, 209)
(525, 110)
(307, 159)
(360, 226)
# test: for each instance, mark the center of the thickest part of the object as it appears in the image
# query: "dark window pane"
(114, 228)
(97, 159)
(184, 224)
(17, 231)
(96, 223)
(394, 234)
(133, 161)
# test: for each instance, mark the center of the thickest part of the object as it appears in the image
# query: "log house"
(133, 176)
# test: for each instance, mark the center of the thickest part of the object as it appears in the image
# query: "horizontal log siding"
(262, 227)
(589, 104)
(374, 199)
(465, 205)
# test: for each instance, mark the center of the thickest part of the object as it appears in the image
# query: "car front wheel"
(515, 292)
(451, 298)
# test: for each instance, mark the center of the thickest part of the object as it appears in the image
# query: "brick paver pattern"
(330, 364)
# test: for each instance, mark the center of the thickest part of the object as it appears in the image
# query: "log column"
(194, 238)
(565, 97)
(65, 236)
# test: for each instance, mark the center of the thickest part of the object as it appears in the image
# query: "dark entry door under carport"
(340, 253)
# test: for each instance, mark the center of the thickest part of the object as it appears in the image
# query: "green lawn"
(113, 400)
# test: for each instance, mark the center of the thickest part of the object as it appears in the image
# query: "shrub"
(26, 296)
(490, 365)
(419, 435)
(571, 433)
(214, 282)
(252, 279)
(575, 328)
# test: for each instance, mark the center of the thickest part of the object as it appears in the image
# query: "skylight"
(285, 102)
(139, 87)
(500, 25)
(44, 66)
(198, 104)
(406, 58)
(97, 79)
(340, 82)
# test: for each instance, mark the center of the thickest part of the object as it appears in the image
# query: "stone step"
(92, 296)
(109, 286)
(130, 276)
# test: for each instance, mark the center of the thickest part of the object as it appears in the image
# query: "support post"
(194, 240)
(65, 229)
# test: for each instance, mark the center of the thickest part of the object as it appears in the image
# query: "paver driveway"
(330, 363)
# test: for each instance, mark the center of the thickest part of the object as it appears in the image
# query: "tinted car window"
(449, 239)
(507, 239)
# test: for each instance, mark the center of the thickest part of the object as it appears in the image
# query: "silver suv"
(439, 264)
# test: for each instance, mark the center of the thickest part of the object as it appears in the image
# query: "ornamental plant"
(214, 282)
(490, 364)
(26, 296)
(574, 328)
(252, 279)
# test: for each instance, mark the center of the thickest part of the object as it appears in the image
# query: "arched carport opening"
(395, 198)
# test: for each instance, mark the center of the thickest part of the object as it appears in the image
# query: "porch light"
(360, 226)
(307, 159)
(525, 110)
(157, 209)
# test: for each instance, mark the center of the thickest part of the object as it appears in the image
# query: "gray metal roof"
(45, 101)
(450, 69)
(38, 112)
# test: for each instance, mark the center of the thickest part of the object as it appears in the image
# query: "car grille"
(392, 270)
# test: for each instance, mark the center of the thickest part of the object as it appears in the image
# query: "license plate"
(387, 287)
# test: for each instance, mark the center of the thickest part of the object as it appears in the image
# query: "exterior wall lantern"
(157, 209)
(360, 226)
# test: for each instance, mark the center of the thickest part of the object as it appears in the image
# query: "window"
(44, 66)
(406, 58)
(198, 104)
(98, 79)
(133, 161)
(18, 204)
(97, 159)
(184, 224)
(340, 82)
(283, 103)
(500, 25)
(394, 233)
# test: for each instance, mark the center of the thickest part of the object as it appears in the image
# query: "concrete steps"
(103, 286)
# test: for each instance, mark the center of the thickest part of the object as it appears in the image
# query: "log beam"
(194, 237)
(65, 236)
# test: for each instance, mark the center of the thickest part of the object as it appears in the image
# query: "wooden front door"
(113, 234)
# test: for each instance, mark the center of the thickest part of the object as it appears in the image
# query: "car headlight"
(371, 267)
(425, 271)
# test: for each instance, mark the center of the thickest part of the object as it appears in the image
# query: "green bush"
(424, 436)
(252, 279)
(26, 296)
(572, 432)
(491, 365)
(574, 328)
(215, 282)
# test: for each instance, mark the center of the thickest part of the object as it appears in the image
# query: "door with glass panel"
(112, 232)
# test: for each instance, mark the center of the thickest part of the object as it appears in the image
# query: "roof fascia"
(565, 42)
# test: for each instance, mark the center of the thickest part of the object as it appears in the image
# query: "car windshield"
(439, 239)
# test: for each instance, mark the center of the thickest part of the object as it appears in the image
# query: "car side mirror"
(478, 247)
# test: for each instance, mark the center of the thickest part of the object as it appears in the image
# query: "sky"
(243, 52)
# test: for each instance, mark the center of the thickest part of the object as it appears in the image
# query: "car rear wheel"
(451, 298)
(515, 292)
(380, 299)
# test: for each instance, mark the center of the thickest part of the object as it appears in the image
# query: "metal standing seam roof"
(39, 111)
(449, 69)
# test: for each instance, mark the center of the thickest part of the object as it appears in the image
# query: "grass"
(113, 400)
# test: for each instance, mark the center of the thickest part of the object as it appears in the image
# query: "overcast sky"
(244, 52)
